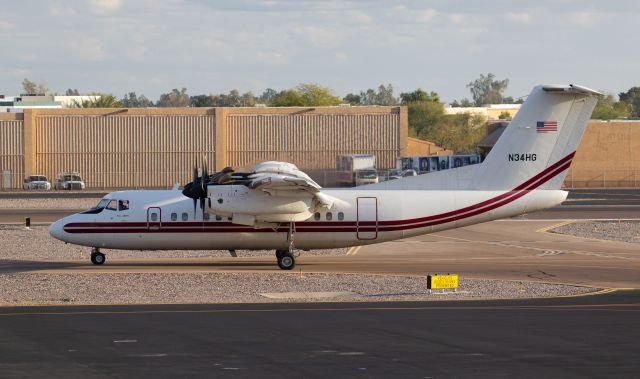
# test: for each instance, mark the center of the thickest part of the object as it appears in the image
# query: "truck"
(356, 170)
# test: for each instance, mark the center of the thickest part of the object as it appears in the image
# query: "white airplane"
(276, 206)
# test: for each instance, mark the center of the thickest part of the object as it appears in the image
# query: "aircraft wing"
(282, 179)
(271, 182)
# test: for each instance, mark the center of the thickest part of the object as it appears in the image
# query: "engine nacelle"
(246, 207)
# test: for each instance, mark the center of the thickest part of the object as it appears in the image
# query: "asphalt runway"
(588, 336)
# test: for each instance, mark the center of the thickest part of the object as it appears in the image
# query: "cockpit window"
(112, 206)
(103, 203)
(123, 205)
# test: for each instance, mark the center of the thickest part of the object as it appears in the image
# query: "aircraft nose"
(56, 231)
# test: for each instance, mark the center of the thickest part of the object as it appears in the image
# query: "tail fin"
(537, 147)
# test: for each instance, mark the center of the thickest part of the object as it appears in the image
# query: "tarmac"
(586, 336)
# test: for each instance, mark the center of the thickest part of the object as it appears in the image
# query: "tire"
(97, 258)
(286, 261)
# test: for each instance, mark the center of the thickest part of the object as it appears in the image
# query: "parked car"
(33, 182)
(395, 174)
(69, 181)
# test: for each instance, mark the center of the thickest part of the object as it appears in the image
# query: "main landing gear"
(97, 258)
(286, 260)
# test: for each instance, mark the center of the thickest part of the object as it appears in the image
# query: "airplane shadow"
(19, 266)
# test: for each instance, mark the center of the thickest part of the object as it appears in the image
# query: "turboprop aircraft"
(276, 206)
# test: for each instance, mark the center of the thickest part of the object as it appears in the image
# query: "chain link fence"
(619, 178)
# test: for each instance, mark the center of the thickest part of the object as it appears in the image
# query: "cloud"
(104, 6)
(583, 18)
(6, 25)
(62, 9)
(426, 15)
(519, 17)
(457, 18)
(272, 58)
(86, 49)
(361, 17)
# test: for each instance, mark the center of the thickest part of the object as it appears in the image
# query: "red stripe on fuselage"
(337, 226)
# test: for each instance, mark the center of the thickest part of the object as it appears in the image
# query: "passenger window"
(123, 205)
(329, 216)
(154, 216)
(218, 218)
(185, 216)
(206, 217)
(112, 206)
(340, 216)
(316, 216)
(174, 217)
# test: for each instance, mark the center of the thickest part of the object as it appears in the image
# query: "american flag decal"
(547, 126)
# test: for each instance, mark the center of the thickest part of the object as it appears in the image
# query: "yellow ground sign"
(442, 281)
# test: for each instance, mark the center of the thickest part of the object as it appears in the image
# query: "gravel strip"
(605, 230)
(153, 288)
(37, 245)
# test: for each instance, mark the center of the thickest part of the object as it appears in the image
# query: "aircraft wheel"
(97, 258)
(286, 261)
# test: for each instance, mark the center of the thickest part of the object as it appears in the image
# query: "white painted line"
(304, 295)
(148, 355)
(125, 341)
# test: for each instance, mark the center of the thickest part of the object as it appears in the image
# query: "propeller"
(197, 189)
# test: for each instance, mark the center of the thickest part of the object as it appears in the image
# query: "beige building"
(156, 147)
(608, 154)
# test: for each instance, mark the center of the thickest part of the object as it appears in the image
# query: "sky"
(153, 46)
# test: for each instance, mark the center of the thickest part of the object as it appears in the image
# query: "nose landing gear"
(97, 258)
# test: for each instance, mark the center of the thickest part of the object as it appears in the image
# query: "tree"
(202, 101)
(418, 96)
(487, 90)
(428, 121)
(385, 95)
(632, 99)
(352, 99)
(511, 100)
(287, 98)
(316, 95)
(608, 108)
(248, 99)
(504, 115)
(131, 100)
(463, 103)
(31, 88)
(98, 100)
(72, 92)
(306, 95)
(267, 96)
(382, 96)
(174, 98)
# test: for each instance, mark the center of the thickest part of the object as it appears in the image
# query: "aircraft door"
(367, 224)
(154, 218)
